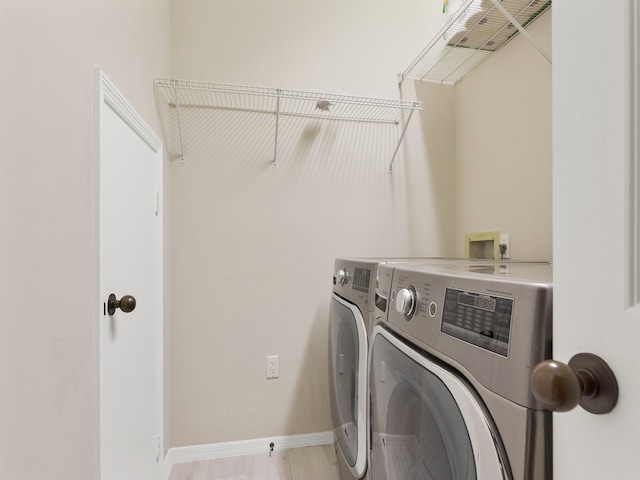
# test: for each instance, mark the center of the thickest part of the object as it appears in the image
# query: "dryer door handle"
(587, 380)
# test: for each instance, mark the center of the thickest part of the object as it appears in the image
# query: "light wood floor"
(310, 463)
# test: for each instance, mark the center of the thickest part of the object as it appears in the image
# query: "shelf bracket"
(521, 29)
(177, 100)
(404, 130)
(275, 147)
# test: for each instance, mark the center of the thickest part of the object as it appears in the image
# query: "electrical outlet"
(273, 369)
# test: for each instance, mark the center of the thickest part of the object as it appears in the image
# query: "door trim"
(633, 292)
(106, 94)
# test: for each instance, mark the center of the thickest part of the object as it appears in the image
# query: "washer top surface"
(513, 271)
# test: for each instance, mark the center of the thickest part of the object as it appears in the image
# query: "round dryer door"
(426, 423)
(348, 377)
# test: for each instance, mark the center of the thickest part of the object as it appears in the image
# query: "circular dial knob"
(342, 276)
(406, 301)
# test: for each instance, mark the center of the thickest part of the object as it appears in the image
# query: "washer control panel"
(492, 323)
(480, 319)
(446, 305)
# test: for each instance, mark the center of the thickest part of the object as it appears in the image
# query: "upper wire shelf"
(291, 102)
(474, 32)
(175, 93)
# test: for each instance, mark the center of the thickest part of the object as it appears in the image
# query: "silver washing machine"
(449, 374)
(361, 290)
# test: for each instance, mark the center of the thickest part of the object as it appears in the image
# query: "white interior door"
(596, 219)
(130, 414)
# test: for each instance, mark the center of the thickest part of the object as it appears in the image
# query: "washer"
(449, 374)
(361, 290)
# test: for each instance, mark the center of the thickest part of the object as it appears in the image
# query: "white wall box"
(173, 95)
(474, 32)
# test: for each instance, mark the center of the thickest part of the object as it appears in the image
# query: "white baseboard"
(242, 447)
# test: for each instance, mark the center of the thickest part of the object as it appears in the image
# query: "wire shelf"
(475, 31)
(197, 94)
(174, 94)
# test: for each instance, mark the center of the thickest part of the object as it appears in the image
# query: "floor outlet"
(273, 369)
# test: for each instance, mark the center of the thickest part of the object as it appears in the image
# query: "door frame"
(106, 95)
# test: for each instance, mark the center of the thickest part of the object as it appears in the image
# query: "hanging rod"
(181, 94)
(474, 32)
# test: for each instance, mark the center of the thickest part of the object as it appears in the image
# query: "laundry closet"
(249, 246)
(259, 209)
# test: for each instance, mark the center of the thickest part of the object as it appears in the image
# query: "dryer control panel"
(361, 279)
(480, 319)
(353, 280)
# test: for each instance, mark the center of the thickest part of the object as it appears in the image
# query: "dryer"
(350, 319)
(354, 306)
(449, 374)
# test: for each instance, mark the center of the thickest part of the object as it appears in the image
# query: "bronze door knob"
(586, 381)
(126, 304)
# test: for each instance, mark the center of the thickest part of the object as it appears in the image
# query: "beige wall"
(253, 246)
(48, 51)
(503, 141)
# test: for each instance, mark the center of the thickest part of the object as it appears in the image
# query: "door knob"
(587, 380)
(126, 304)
